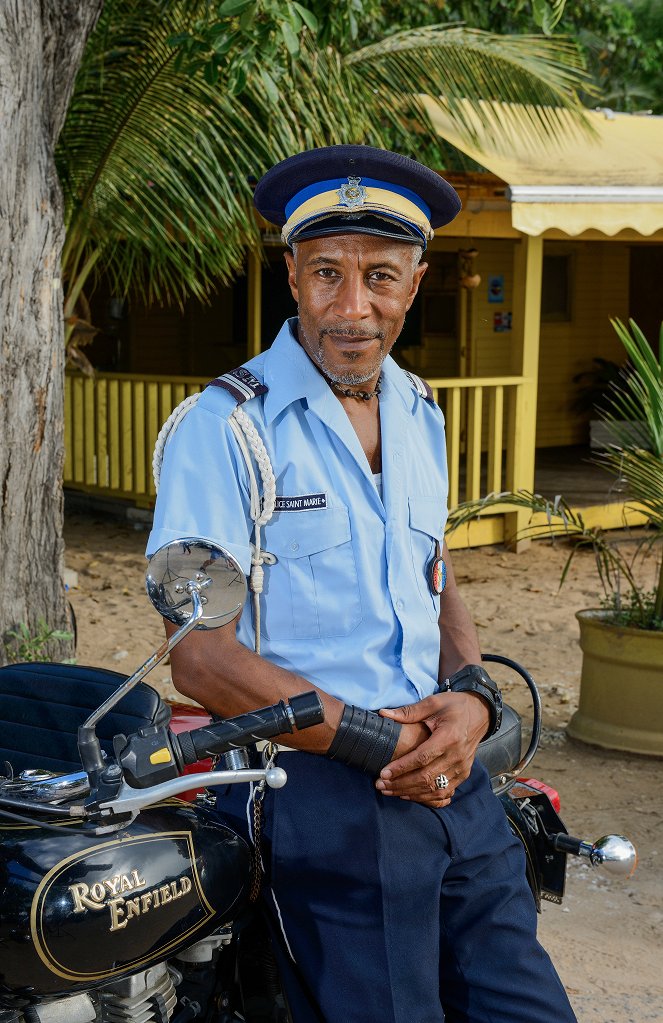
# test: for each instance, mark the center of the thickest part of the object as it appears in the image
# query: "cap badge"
(353, 194)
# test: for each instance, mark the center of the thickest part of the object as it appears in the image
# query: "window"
(556, 289)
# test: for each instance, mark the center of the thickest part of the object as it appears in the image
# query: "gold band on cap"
(377, 200)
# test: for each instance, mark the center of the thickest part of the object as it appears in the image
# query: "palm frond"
(643, 472)
(473, 74)
(551, 520)
(156, 162)
(141, 168)
(640, 399)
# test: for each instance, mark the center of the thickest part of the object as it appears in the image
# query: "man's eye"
(326, 271)
(379, 276)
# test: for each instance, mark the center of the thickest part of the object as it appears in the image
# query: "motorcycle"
(121, 901)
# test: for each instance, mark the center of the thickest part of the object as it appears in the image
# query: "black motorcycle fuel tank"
(79, 910)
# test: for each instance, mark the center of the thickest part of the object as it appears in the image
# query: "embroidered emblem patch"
(306, 502)
(437, 576)
(353, 194)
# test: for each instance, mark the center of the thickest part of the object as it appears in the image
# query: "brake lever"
(123, 808)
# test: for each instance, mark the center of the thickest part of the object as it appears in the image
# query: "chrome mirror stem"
(88, 744)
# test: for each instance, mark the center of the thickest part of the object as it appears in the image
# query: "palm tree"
(158, 155)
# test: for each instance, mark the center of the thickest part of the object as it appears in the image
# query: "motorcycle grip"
(216, 739)
(567, 843)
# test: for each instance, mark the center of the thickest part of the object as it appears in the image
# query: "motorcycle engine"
(145, 997)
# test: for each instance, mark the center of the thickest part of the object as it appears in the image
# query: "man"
(394, 886)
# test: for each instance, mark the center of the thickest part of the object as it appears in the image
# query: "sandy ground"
(607, 938)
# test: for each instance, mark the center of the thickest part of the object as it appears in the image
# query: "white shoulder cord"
(250, 443)
(171, 424)
(244, 429)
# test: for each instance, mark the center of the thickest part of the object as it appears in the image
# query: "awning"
(608, 179)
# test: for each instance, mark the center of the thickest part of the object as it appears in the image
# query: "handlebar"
(148, 764)
(215, 739)
(155, 754)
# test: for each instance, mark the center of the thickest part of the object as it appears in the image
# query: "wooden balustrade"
(480, 414)
(112, 422)
(111, 425)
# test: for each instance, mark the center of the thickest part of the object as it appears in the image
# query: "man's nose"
(353, 298)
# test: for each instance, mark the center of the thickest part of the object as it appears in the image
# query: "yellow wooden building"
(562, 240)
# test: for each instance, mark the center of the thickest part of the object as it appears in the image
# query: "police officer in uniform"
(394, 887)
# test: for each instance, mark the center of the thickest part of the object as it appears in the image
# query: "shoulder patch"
(241, 383)
(420, 386)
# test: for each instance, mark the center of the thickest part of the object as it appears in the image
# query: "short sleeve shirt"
(348, 604)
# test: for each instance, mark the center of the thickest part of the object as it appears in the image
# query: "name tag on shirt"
(305, 502)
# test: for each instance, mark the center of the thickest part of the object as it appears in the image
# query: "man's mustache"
(338, 331)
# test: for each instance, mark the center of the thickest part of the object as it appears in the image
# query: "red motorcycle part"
(186, 717)
(540, 786)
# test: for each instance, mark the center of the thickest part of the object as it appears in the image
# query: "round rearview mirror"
(178, 567)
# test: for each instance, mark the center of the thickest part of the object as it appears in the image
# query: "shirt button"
(294, 546)
(399, 605)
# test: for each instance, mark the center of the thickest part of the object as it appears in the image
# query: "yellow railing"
(482, 435)
(111, 425)
(112, 422)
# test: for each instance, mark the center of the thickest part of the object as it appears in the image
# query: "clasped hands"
(440, 735)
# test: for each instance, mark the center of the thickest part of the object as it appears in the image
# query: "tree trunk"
(41, 46)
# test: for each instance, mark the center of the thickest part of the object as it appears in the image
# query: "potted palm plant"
(621, 686)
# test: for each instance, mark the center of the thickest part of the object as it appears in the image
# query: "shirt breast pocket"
(312, 592)
(427, 521)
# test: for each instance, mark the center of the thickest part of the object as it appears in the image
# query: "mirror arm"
(89, 747)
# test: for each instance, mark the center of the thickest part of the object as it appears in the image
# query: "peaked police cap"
(355, 189)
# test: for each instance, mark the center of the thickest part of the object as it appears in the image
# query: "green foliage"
(634, 611)
(639, 398)
(636, 457)
(180, 105)
(621, 40)
(21, 644)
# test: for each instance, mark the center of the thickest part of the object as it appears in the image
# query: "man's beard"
(348, 378)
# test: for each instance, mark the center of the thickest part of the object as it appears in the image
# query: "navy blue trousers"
(386, 911)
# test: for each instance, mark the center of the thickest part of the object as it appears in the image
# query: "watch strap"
(474, 679)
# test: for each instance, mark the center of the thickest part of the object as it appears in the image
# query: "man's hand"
(456, 723)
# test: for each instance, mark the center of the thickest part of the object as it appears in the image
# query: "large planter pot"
(621, 686)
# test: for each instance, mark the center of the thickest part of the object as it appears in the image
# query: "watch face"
(437, 575)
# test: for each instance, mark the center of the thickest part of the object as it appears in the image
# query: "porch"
(503, 356)
(112, 422)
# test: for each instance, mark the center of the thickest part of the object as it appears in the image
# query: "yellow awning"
(608, 180)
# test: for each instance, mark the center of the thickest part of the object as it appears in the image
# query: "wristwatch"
(475, 679)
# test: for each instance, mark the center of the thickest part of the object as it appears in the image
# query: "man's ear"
(292, 274)
(417, 276)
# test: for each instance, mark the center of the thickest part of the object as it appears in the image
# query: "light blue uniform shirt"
(348, 604)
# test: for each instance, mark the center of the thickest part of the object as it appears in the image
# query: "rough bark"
(41, 45)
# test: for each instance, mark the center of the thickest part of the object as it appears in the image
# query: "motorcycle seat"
(502, 751)
(43, 704)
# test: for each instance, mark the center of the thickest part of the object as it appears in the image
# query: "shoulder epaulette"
(241, 383)
(420, 386)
